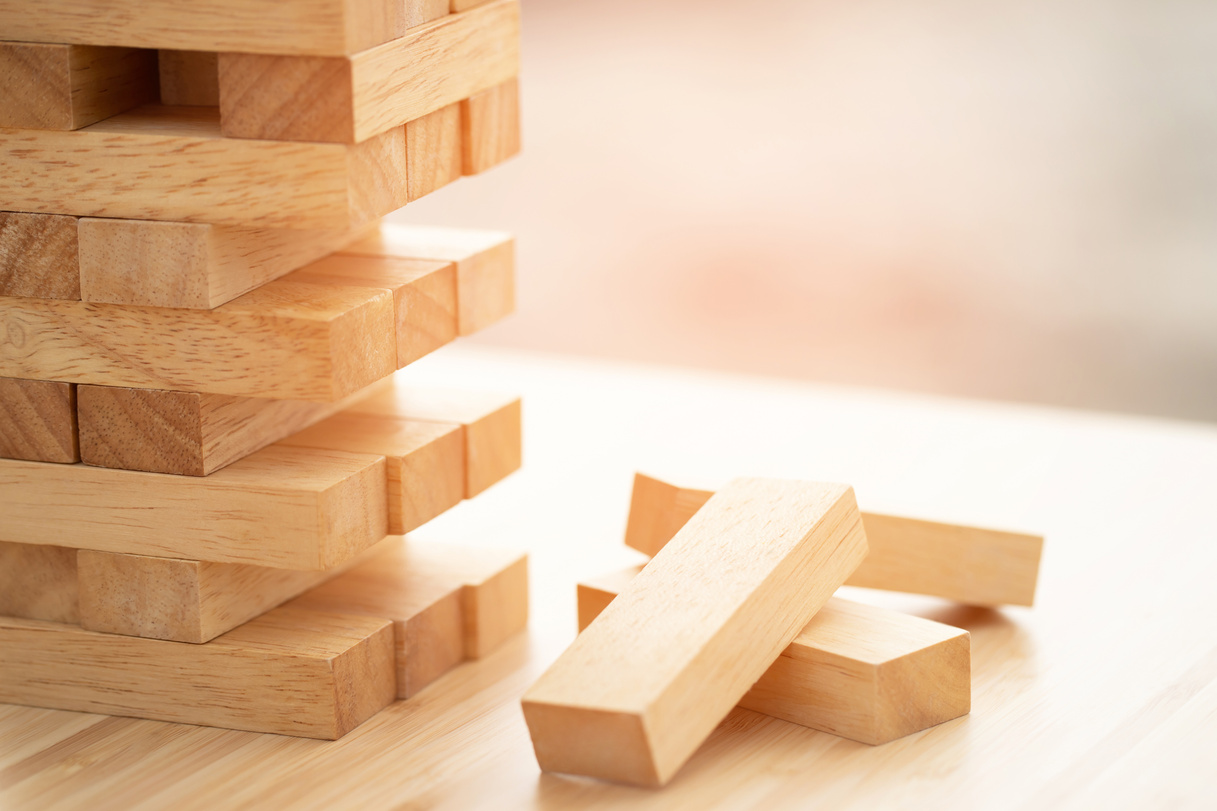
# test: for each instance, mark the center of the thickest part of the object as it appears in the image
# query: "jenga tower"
(207, 461)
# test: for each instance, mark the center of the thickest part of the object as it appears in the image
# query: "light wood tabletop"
(1103, 695)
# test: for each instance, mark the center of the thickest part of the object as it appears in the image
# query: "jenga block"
(190, 265)
(868, 674)
(427, 590)
(985, 567)
(351, 99)
(187, 433)
(38, 582)
(291, 508)
(291, 672)
(189, 78)
(433, 151)
(490, 127)
(425, 461)
(485, 266)
(182, 600)
(38, 256)
(491, 422)
(171, 163)
(65, 87)
(38, 420)
(639, 690)
(322, 27)
(290, 340)
(424, 295)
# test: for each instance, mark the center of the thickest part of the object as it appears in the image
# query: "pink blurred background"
(996, 200)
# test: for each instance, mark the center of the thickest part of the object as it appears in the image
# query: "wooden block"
(38, 256)
(38, 582)
(425, 590)
(182, 600)
(424, 295)
(320, 27)
(189, 78)
(291, 508)
(984, 567)
(171, 163)
(65, 87)
(187, 433)
(190, 265)
(291, 672)
(491, 424)
(419, 12)
(490, 127)
(485, 265)
(865, 673)
(38, 421)
(425, 461)
(352, 98)
(433, 151)
(639, 690)
(289, 340)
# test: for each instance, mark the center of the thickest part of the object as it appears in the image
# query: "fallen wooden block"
(425, 461)
(65, 87)
(447, 603)
(491, 424)
(485, 265)
(189, 78)
(639, 690)
(292, 508)
(865, 673)
(321, 27)
(171, 163)
(38, 421)
(983, 567)
(354, 98)
(291, 672)
(289, 340)
(433, 151)
(38, 256)
(38, 582)
(490, 127)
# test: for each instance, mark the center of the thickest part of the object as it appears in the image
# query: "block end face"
(605, 744)
(925, 688)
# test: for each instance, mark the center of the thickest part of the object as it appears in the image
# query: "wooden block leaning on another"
(171, 163)
(865, 673)
(47, 86)
(350, 99)
(983, 567)
(646, 683)
(38, 421)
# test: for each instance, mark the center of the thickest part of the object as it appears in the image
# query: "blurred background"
(1001, 200)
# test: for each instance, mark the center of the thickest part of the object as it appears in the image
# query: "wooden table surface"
(1103, 695)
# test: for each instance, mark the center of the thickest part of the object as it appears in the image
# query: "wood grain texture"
(171, 163)
(490, 127)
(419, 12)
(189, 78)
(862, 672)
(433, 151)
(640, 690)
(291, 672)
(38, 421)
(291, 340)
(254, 26)
(425, 589)
(485, 265)
(292, 508)
(38, 256)
(984, 567)
(38, 582)
(491, 423)
(349, 99)
(424, 295)
(425, 461)
(65, 87)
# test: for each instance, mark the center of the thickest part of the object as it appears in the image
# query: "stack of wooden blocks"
(208, 461)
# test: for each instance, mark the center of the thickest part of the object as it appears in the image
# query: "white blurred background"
(990, 199)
